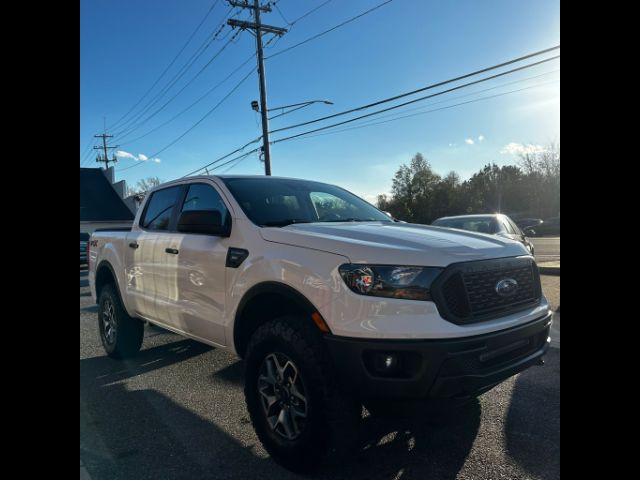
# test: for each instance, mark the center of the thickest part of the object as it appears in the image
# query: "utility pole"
(105, 148)
(258, 27)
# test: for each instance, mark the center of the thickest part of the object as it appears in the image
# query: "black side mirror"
(207, 222)
(529, 232)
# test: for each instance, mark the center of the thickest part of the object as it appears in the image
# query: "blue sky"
(407, 44)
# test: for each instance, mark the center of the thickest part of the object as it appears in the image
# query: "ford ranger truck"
(331, 303)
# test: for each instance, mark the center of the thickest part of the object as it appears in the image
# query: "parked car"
(550, 227)
(494, 224)
(525, 223)
(84, 241)
(330, 302)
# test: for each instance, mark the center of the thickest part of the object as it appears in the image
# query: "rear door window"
(158, 213)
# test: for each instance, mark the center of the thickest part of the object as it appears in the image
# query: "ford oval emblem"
(506, 287)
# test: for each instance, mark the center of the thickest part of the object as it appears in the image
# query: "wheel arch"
(264, 302)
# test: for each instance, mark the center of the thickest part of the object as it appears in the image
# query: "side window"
(507, 226)
(158, 213)
(514, 227)
(205, 197)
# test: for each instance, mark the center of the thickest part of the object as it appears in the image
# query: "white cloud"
(452, 144)
(480, 138)
(514, 148)
(140, 158)
(469, 141)
(123, 154)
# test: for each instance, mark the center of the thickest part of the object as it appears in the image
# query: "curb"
(549, 270)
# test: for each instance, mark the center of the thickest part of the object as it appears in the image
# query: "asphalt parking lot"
(177, 411)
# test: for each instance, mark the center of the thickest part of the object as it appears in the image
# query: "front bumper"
(456, 368)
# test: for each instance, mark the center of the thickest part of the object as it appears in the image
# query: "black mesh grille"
(467, 291)
(481, 289)
(455, 295)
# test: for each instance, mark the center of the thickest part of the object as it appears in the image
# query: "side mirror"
(207, 222)
(529, 232)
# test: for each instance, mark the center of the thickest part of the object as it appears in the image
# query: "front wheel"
(298, 411)
(121, 334)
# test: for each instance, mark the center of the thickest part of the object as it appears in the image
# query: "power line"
(225, 156)
(418, 99)
(400, 105)
(136, 127)
(205, 115)
(374, 123)
(309, 13)
(413, 92)
(233, 72)
(279, 52)
(467, 95)
(168, 66)
(86, 153)
(275, 4)
(185, 68)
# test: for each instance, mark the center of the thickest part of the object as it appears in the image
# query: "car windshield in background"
(275, 202)
(472, 224)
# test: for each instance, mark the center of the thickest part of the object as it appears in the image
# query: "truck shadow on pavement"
(144, 434)
(532, 425)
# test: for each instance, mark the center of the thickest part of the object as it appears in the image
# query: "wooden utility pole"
(258, 28)
(105, 148)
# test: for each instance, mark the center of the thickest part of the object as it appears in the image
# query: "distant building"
(101, 201)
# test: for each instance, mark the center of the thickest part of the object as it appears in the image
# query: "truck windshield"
(276, 202)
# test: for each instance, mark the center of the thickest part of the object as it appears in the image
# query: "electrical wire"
(176, 77)
(207, 93)
(373, 123)
(318, 35)
(136, 127)
(205, 115)
(135, 122)
(419, 99)
(422, 89)
(168, 66)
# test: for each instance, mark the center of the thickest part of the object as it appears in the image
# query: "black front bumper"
(455, 368)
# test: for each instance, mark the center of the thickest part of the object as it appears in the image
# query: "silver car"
(494, 224)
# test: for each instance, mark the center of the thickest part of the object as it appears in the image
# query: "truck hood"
(395, 243)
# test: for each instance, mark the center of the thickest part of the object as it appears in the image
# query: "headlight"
(410, 283)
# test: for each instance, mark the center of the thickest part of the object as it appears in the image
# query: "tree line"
(530, 188)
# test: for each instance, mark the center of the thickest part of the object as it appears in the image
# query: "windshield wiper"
(284, 222)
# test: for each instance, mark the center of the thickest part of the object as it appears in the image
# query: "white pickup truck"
(331, 303)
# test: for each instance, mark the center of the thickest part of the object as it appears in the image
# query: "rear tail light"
(89, 253)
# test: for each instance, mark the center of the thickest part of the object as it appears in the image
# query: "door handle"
(173, 251)
(134, 245)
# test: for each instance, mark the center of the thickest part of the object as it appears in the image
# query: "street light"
(254, 106)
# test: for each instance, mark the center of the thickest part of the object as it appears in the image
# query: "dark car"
(84, 241)
(493, 224)
(550, 227)
(525, 223)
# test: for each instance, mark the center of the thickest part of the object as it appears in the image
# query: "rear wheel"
(298, 411)
(121, 334)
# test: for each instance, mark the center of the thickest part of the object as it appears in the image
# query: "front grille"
(466, 292)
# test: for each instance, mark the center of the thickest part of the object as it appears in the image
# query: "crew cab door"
(151, 270)
(201, 285)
